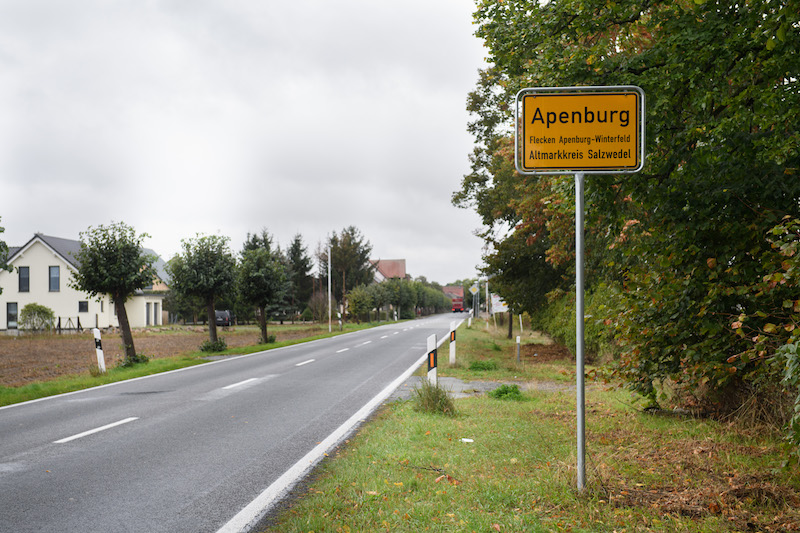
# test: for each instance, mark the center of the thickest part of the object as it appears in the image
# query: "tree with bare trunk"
(112, 261)
(206, 269)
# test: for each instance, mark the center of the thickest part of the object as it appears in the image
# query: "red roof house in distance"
(389, 269)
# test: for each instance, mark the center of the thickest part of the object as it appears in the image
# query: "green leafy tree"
(36, 317)
(262, 282)
(360, 303)
(4, 256)
(402, 296)
(205, 269)
(350, 264)
(111, 261)
(380, 296)
(683, 238)
(300, 265)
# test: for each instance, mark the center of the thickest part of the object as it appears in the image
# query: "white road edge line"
(305, 362)
(239, 384)
(96, 430)
(256, 509)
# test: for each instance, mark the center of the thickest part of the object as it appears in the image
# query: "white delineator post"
(452, 343)
(517, 349)
(432, 360)
(101, 360)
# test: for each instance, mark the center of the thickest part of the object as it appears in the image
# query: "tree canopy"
(350, 264)
(686, 241)
(262, 282)
(206, 269)
(111, 261)
(3, 256)
(300, 265)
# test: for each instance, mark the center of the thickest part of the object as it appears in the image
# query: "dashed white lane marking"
(305, 362)
(239, 384)
(342, 350)
(365, 343)
(96, 430)
(385, 337)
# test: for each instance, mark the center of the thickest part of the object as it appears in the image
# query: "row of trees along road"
(263, 278)
(691, 265)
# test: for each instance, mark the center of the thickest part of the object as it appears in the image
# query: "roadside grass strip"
(511, 466)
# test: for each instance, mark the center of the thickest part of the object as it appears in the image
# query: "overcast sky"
(229, 116)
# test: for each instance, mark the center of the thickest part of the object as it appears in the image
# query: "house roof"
(454, 291)
(390, 268)
(68, 249)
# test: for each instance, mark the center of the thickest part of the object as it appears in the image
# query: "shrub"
(269, 340)
(36, 317)
(483, 365)
(507, 392)
(429, 398)
(214, 346)
(137, 359)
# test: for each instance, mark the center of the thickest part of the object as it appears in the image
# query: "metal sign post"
(579, 130)
(579, 331)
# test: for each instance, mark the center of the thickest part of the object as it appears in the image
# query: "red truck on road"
(456, 295)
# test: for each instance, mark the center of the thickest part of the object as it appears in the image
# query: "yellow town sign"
(580, 129)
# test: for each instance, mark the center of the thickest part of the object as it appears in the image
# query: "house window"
(24, 279)
(83, 307)
(11, 315)
(102, 306)
(55, 279)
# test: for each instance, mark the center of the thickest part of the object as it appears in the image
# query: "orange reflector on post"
(432, 360)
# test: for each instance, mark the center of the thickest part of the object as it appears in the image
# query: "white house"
(42, 271)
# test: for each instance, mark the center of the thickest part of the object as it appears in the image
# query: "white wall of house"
(66, 302)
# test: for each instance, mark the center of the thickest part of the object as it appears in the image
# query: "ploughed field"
(26, 359)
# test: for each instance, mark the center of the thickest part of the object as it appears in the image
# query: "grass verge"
(510, 466)
(33, 391)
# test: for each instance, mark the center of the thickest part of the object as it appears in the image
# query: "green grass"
(408, 471)
(478, 350)
(33, 391)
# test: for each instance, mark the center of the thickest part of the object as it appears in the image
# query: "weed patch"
(483, 366)
(507, 392)
(214, 346)
(430, 398)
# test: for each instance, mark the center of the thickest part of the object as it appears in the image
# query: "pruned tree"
(111, 261)
(262, 282)
(206, 269)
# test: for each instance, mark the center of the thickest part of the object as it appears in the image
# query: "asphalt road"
(187, 451)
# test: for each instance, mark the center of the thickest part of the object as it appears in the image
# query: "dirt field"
(26, 359)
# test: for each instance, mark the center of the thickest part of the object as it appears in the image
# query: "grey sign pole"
(579, 326)
(530, 158)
